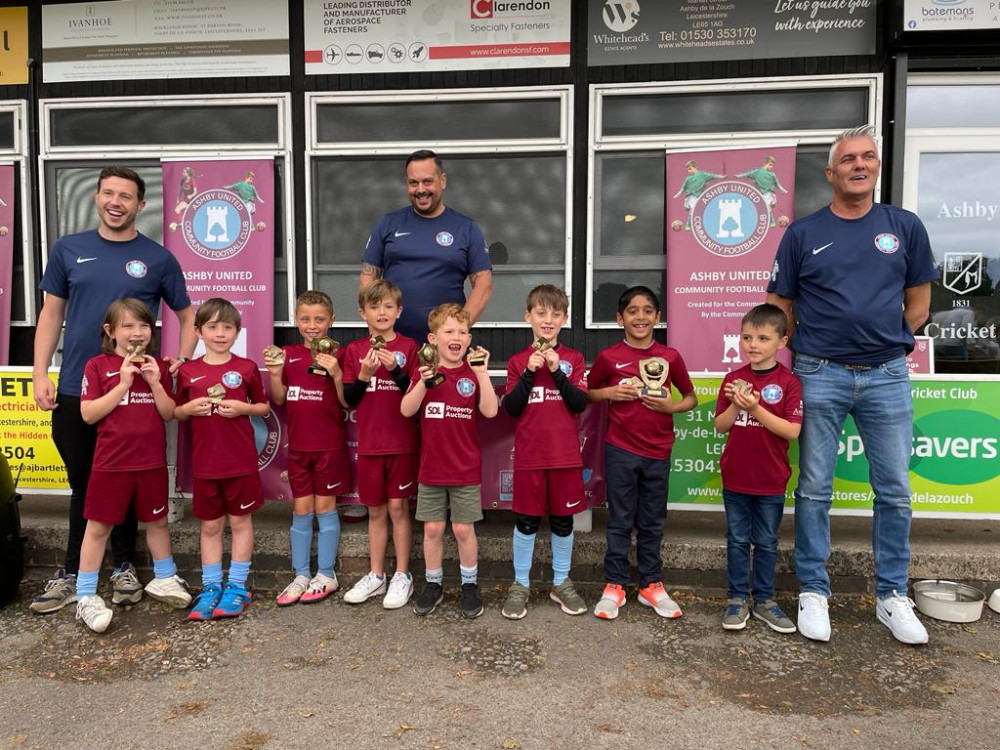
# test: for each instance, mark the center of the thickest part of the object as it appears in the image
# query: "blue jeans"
(752, 520)
(637, 499)
(879, 400)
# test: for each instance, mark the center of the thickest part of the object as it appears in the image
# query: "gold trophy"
(742, 386)
(541, 344)
(216, 393)
(274, 355)
(323, 345)
(136, 353)
(377, 342)
(428, 356)
(654, 372)
(477, 357)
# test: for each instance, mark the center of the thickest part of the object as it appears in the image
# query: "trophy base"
(317, 370)
(434, 381)
(654, 392)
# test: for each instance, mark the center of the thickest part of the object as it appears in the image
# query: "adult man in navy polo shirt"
(854, 279)
(428, 250)
(86, 272)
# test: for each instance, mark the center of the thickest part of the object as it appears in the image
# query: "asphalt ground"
(335, 675)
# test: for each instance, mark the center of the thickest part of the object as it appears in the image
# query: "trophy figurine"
(216, 393)
(323, 345)
(477, 357)
(742, 386)
(428, 356)
(274, 354)
(654, 372)
(377, 342)
(541, 344)
(136, 353)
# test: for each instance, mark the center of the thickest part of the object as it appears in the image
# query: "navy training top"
(428, 259)
(90, 273)
(847, 277)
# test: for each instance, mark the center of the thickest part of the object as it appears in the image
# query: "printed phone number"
(709, 35)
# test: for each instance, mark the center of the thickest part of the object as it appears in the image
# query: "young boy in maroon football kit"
(219, 392)
(637, 454)
(377, 372)
(546, 390)
(450, 458)
(760, 406)
(129, 396)
(318, 465)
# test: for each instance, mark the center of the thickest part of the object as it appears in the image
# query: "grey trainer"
(568, 600)
(59, 592)
(770, 613)
(125, 585)
(516, 605)
(737, 614)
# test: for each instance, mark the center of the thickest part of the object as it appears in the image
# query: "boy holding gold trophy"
(635, 377)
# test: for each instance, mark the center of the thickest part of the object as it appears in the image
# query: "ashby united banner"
(6, 256)
(639, 32)
(403, 36)
(954, 465)
(218, 219)
(726, 213)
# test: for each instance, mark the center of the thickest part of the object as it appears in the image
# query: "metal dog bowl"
(947, 600)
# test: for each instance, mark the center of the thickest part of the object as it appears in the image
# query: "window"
(949, 181)
(632, 127)
(79, 137)
(508, 167)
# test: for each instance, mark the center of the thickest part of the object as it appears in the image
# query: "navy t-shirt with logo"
(428, 259)
(90, 273)
(847, 278)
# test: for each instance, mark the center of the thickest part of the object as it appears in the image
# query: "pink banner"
(921, 360)
(218, 219)
(496, 437)
(6, 256)
(726, 213)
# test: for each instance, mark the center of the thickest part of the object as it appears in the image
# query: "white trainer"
(171, 590)
(814, 616)
(369, 586)
(896, 613)
(400, 591)
(94, 612)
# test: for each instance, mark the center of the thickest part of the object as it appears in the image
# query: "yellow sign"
(26, 434)
(13, 46)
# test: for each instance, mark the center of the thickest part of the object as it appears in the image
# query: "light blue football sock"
(300, 536)
(86, 583)
(238, 572)
(434, 576)
(468, 574)
(524, 550)
(211, 575)
(164, 568)
(328, 542)
(562, 557)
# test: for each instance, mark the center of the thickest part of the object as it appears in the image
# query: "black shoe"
(472, 602)
(429, 598)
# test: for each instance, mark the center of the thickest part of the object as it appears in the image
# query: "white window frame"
(104, 154)
(563, 142)
(19, 155)
(599, 143)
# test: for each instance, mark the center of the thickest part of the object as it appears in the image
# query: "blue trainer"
(234, 600)
(205, 604)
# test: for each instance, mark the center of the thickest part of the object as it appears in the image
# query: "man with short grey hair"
(854, 280)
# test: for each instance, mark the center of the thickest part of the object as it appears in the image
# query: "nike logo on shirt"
(295, 359)
(818, 250)
(111, 374)
(200, 377)
(620, 365)
(401, 234)
(85, 260)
